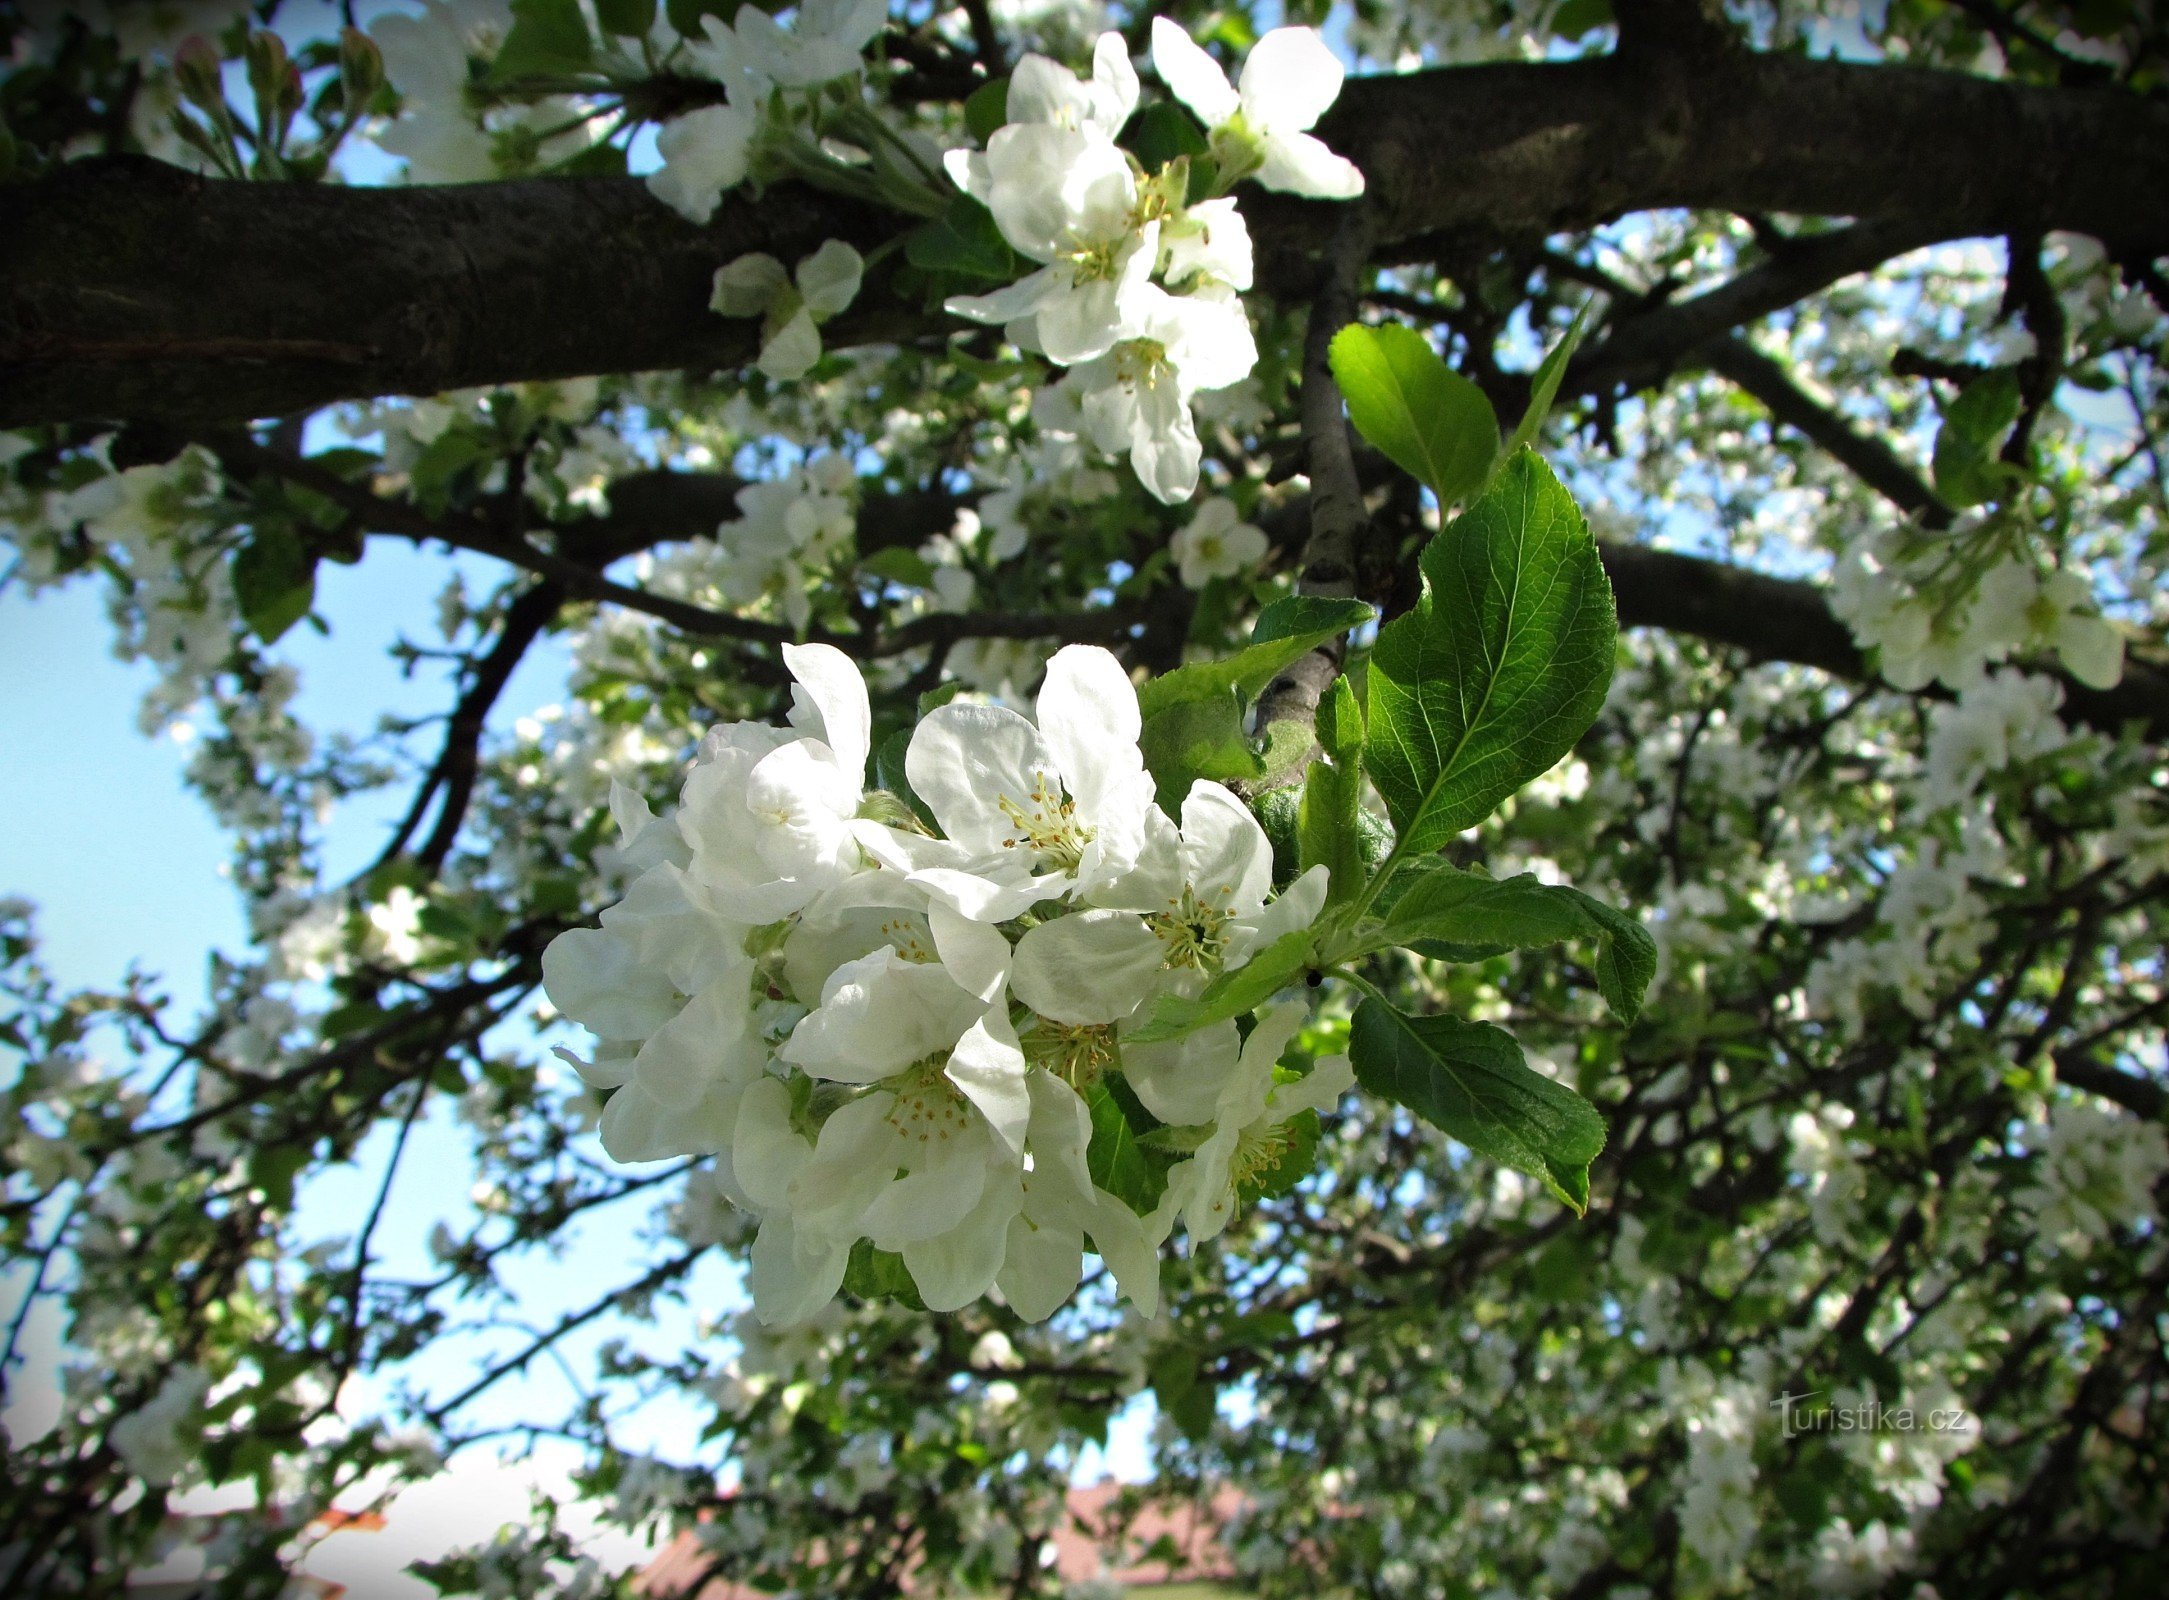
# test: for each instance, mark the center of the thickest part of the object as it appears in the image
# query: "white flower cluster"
(889, 1034)
(443, 135)
(790, 532)
(1137, 289)
(711, 150)
(1932, 616)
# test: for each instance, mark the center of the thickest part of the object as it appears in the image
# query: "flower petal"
(1192, 76)
(766, 1151)
(789, 353)
(832, 681)
(1089, 718)
(1042, 1265)
(593, 977)
(1180, 1080)
(829, 278)
(877, 1016)
(976, 955)
(792, 1275)
(1225, 854)
(1296, 163)
(956, 1268)
(1096, 966)
(963, 761)
(1289, 79)
(989, 1069)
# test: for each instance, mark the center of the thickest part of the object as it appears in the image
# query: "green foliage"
(1328, 828)
(1975, 425)
(1544, 388)
(629, 19)
(549, 38)
(873, 1274)
(1440, 910)
(1433, 423)
(986, 109)
(1232, 994)
(274, 581)
(1117, 1160)
(963, 242)
(1164, 132)
(1469, 1079)
(1193, 716)
(1501, 665)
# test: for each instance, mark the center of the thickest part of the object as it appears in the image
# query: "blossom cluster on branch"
(881, 1011)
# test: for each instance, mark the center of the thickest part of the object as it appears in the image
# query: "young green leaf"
(1232, 994)
(1116, 1160)
(1469, 1079)
(1327, 825)
(1544, 388)
(1465, 916)
(548, 37)
(274, 582)
(1193, 716)
(986, 109)
(1434, 424)
(629, 19)
(963, 241)
(872, 1274)
(1967, 472)
(1163, 132)
(1500, 667)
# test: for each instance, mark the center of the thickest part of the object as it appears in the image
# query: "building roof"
(1166, 1541)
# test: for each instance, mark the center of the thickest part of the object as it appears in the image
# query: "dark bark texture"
(130, 290)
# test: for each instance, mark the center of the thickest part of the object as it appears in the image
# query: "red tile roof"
(1166, 1541)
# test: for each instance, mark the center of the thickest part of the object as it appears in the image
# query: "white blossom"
(1288, 81)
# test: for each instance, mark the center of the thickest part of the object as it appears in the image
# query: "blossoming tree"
(1458, 767)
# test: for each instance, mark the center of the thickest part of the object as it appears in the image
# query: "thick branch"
(1865, 456)
(128, 289)
(1781, 619)
(1646, 344)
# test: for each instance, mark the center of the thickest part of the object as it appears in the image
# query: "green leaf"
(899, 565)
(628, 19)
(1544, 387)
(1296, 1159)
(1232, 994)
(1327, 827)
(1161, 133)
(1967, 472)
(1193, 716)
(1469, 1079)
(872, 1274)
(1182, 1389)
(596, 161)
(1116, 1159)
(548, 38)
(986, 109)
(889, 773)
(963, 241)
(1500, 667)
(1626, 956)
(274, 581)
(1473, 917)
(1578, 18)
(1434, 424)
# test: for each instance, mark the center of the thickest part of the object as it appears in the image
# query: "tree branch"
(129, 289)
(1867, 457)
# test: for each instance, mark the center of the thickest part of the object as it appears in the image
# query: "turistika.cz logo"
(1796, 1416)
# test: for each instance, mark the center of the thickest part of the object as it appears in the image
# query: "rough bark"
(131, 290)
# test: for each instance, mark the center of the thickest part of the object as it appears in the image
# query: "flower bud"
(196, 68)
(268, 66)
(361, 69)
